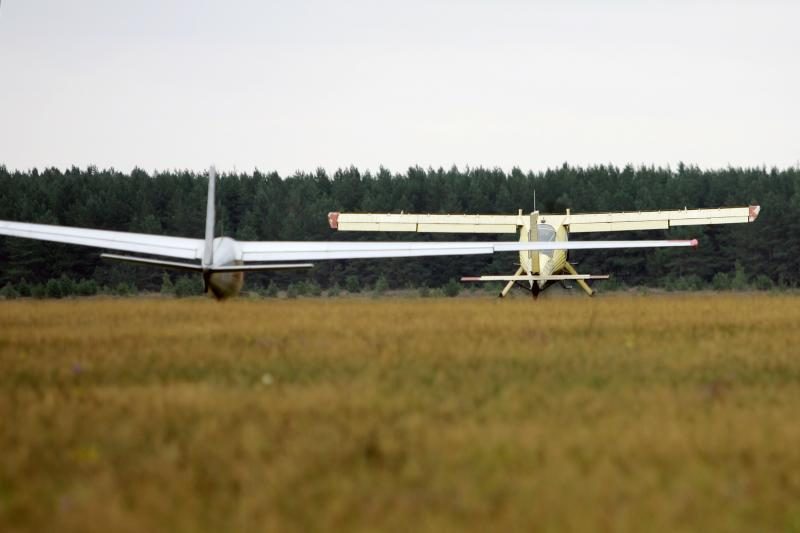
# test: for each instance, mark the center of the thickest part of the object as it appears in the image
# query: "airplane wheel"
(535, 290)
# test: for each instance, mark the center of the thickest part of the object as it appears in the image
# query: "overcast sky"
(301, 84)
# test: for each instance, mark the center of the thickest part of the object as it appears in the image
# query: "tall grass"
(622, 413)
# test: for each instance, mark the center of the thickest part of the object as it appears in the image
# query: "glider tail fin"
(208, 250)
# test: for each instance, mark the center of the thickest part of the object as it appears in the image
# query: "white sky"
(302, 84)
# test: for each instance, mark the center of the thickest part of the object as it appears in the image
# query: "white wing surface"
(177, 247)
(320, 250)
(576, 223)
(272, 251)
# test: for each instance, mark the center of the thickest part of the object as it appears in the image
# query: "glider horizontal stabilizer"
(175, 265)
(196, 267)
(256, 268)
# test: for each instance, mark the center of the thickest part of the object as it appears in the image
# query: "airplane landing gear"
(535, 290)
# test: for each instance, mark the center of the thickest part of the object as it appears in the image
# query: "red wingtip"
(694, 243)
(333, 219)
(754, 211)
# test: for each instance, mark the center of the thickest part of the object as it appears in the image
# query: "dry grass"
(621, 413)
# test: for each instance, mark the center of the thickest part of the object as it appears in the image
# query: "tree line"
(266, 206)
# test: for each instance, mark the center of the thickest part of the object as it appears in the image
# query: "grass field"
(623, 413)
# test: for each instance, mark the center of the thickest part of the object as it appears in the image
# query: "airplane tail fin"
(208, 250)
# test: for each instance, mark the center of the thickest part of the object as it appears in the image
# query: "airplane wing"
(575, 223)
(648, 220)
(275, 251)
(177, 247)
(322, 250)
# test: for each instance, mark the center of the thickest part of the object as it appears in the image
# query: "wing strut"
(585, 286)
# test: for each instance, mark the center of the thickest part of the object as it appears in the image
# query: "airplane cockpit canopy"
(547, 233)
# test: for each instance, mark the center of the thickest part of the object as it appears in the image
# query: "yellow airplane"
(540, 269)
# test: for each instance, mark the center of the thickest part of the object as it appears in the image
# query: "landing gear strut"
(583, 285)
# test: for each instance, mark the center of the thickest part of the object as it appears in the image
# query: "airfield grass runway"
(623, 413)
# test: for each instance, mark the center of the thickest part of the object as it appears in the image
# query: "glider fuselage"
(227, 252)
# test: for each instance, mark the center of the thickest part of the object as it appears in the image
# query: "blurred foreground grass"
(624, 413)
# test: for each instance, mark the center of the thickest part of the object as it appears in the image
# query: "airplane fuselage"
(546, 263)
